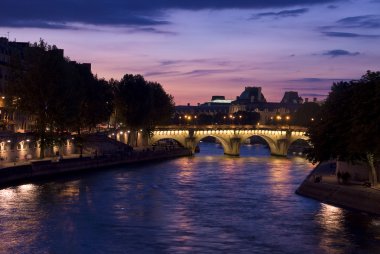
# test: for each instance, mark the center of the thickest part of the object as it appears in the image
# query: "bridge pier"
(281, 148)
(233, 148)
(191, 144)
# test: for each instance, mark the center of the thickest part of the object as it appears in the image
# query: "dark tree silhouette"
(140, 104)
(306, 114)
(347, 127)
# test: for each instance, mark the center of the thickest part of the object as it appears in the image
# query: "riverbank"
(322, 184)
(28, 172)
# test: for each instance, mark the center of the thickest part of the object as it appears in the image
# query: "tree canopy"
(306, 114)
(347, 126)
(141, 104)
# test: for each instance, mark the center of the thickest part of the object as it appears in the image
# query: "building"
(217, 105)
(9, 118)
(291, 97)
(10, 51)
(253, 100)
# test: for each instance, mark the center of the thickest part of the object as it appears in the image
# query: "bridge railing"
(229, 127)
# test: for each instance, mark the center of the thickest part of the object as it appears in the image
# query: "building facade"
(251, 99)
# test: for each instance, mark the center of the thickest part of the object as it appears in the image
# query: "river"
(209, 203)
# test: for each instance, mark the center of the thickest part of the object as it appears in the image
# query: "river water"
(209, 203)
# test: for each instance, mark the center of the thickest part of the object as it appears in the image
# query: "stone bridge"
(231, 139)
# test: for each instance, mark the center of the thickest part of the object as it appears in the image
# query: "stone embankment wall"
(47, 168)
(351, 195)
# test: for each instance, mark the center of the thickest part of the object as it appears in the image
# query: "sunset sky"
(200, 48)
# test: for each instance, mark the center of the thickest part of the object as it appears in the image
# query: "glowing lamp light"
(9, 141)
(121, 133)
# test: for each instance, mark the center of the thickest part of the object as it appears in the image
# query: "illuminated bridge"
(278, 140)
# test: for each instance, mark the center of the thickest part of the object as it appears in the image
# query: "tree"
(162, 107)
(347, 127)
(140, 104)
(93, 96)
(365, 141)
(306, 114)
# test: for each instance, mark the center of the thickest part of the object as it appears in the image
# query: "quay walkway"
(22, 172)
(322, 184)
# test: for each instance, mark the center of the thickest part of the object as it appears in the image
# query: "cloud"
(309, 88)
(315, 80)
(366, 21)
(44, 13)
(349, 35)
(152, 30)
(161, 73)
(312, 95)
(339, 52)
(206, 72)
(200, 61)
(281, 14)
(356, 23)
(332, 7)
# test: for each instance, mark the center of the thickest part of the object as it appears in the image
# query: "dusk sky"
(200, 48)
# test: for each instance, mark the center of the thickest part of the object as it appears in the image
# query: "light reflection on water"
(207, 203)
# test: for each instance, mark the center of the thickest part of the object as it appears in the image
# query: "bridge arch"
(297, 146)
(179, 136)
(171, 140)
(223, 142)
(270, 142)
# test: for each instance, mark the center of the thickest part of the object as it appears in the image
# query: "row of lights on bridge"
(122, 132)
(10, 141)
(189, 117)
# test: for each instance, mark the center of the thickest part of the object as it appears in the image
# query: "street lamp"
(287, 118)
(278, 120)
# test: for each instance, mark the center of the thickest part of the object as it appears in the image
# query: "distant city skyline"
(197, 49)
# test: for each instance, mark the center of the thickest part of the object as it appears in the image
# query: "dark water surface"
(209, 203)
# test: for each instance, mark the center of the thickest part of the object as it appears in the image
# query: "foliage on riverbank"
(348, 125)
(59, 96)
